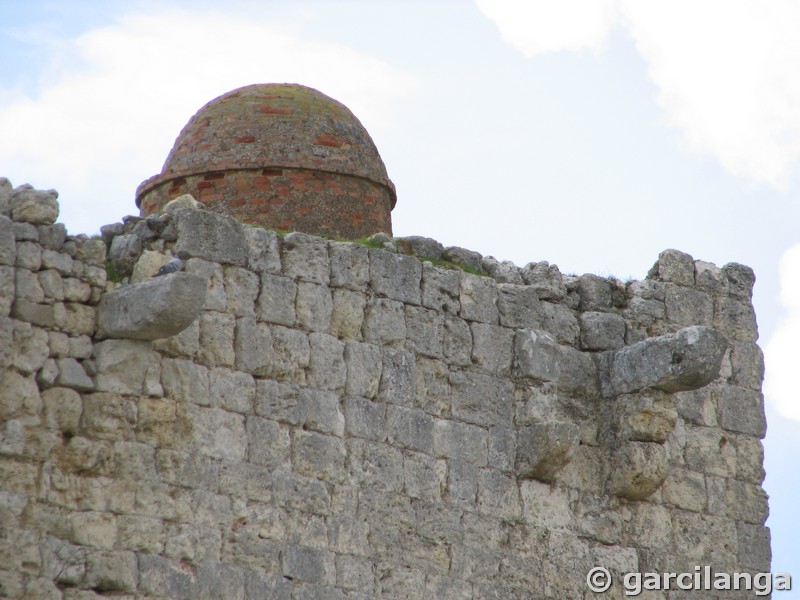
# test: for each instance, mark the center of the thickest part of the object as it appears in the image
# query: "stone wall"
(339, 421)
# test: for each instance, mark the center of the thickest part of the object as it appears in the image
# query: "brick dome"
(279, 155)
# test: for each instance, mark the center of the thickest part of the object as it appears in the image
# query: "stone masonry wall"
(339, 421)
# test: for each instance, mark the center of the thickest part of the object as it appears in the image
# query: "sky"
(592, 134)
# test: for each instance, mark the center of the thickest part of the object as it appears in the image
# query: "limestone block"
(28, 286)
(289, 357)
(276, 302)
(456, 342)
(62, 409)
(241, 289)
(326, 367)
(305, 257)
(108, 416)
(124, 252)
(376, 467)
(735, 319)
(185, 343)
(425, 478)
(543, 449)
(72, 375)
(687, 306)
(60, 261)
(155, 309)
(19, 395)
(686, 360)
(398, 377)
(216, 339)
(39, 207)
(685, 489)
(673, 266)
(7, 290)
(365, 418)
(347, 315)
(639, 470)
(125, 366)
(320, 411)
(213, 276)
(518, 306)
(112, 571)
(30, 348)
(76, 290)
(215, 432)
(433, 386)
(741, 279)
(5, 196)
(395, 276)
(182, 201)
(90, 251)
(185, 381)
(77, 319)
(422, 247)
(319, 456)
(460, 441)
(482, 399)
(754, 546)
(441, 288)
(409, 428)
(308, 564)
(601, 331)
(501, 271)
(560, 322)
(537, 355)
(29, 255)
(25, 231)
(52, 284)
(742, 410)
(349, 265)
(462, 256)
(384, 322)
(147, 265)
(462, 484)
(263, 250)
(211, 236)
(492, 347)
(231, 390)
(645, 417)
(498, 495)
(478, 297)
(364, 366)
(595, 293)
(545, 279)
(424, 329)
(314, 306)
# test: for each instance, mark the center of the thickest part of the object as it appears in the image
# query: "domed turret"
(279, 155)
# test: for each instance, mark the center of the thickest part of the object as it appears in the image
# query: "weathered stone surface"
(155, 309)
(601, 331)
(182, 201)
(462, 256)
(741, 410)
(124, 366)
(276, 302)
(124, 252)
(395, 276)
(492, 347)
(685, 360)
(440, 288)
(545, 279)
(645, 417)
(211, 236)
(422, 247)
(518, 306)
(34, 206)
(263, 250)
(537, 355)
(543, 449)
(639, 470)
(478, 299)
(674, 266)
(305, 257)
(147, 265)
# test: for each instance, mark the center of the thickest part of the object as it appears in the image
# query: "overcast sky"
(589, 133)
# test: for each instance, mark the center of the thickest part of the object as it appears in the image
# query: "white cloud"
(543, 26)
(728, 71)
(781, 354)
(115, 98)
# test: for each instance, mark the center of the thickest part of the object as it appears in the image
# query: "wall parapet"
(347, 421)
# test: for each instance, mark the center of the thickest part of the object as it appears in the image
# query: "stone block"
(741, 279)
(456, 342)
(645, 417)
(124, 366)
(735, 319)
(384, 322)
(38, 207)
(349, 266)
(545, 279)
(314, 306)
(158, 308)
(478, 298)
(492, 347)
(278, 401)
(213, 275)
(482, 399)
(601, 331)
(673, 266)
(460, 441)
(263, 250)
(124, 252)
(241, 289)
(108, 416)
(216, 346)
(686, 360)
(462, 484)
(463, 257)
(422, 247)
(62, 409)
(364, 365)
(52, 284)
(210, 236)
(27, 286)
(30, 348)
(305, 258)
(185, 381)
(112, 571)
(498, 495)
(7, 290)
(543, 449)
(754, 546)
(267, 443)
(687, 306)
(365, 418)
(560, 322)
(147, 265)
(319, 456)
(686, 490)
(347, 315)
(398, 377)
(537, 355)
(326, 367)
(29, 255)
(441, 288)
(277, 300)
(639, 470)
(308, 564)
(424, 330)
(503, 271)
(8, 249)
(433, 386)
(409, 428)
(77, 319)
(72, 375)
(375, 467)
(215, 432)
(60, 261)
(231, 390)
(741, 410)
(595, 293)
(518, 306)
(320, 411)
(184, 344)
(395, 276)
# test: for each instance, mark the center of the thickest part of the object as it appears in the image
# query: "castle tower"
(279, 155)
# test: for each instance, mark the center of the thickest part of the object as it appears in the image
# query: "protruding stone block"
(686, 360)
(639, 470)
(545, 448)
(155, 309)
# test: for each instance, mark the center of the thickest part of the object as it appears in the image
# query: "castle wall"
(350, 422)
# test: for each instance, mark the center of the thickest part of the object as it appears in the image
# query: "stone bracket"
(158, 308)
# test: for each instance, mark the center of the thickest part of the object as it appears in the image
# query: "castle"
(296, 416)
